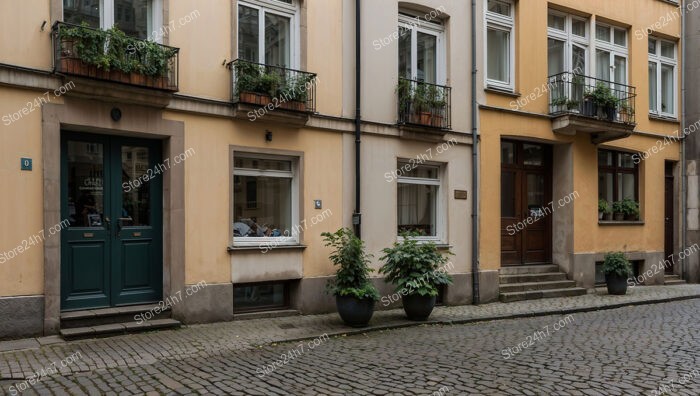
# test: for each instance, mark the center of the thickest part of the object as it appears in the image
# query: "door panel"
(525, 196)
(668, 216)
(111, 254)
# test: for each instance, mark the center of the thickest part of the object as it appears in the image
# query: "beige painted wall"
(21, 208)
(22, 42)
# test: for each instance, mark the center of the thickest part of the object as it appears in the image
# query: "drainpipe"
(475, 171)
(684, 184)
(356, 216)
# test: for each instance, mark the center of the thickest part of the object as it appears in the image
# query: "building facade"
(574, 97)
(148, 169)
(194, 155)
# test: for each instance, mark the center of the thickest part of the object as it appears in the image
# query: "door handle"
(107, 222)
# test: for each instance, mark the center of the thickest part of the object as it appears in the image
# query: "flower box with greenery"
(604, 210)
(112, 55)
(628, 208)
(425, 104)
(618, 211)
(606, 103)
(559, 104)
(416, 269)
(260, 85)
(617, 269)
(355, 294)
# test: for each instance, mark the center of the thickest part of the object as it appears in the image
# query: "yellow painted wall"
(21, 199)
(22, 42)
(531, 73)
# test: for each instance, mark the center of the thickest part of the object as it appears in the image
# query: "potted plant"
(421, 104)
(437, 104)
(617, 270)
(405, 98)
(247, 82)
(590, 108)
(572, 106)
(630, 208)
(604, 209)
(559, 104)
(354, 293)
(626, 112)
(618, 211)
(416, 270)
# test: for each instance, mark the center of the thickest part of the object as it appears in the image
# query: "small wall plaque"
(461, 194)
(318, 204)
(26, 164)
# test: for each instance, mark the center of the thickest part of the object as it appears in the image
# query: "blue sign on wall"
(26, 164)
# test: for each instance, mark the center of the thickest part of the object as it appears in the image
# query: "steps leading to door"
(113, 321)
(532, 282)
(670, 280)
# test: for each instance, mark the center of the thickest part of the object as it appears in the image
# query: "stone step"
(672, 277)
(106, 316)
(537, 294)
(529, 269)
(528, 286)
(112, 329)
(674, 282)
(529, 278)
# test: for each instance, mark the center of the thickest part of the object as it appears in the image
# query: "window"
(267, 32)
(618, 176)
(421, 55)
(500, 28)
(137, 18)
(418, 203)
(662, 77)
(567, 44)
(265, 200)
(611, 54)
(260, 296)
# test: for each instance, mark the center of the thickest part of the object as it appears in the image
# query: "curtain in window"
(277, 43)
(555, 56)
(498, 65)
(416, 208)
(248, 34)
(426, 58)
(653, 88)
(405, 53)
(602, 65)
(667, 89)
(620, 70)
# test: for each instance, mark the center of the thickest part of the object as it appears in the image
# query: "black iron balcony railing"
(571, 93)
(111, 55)
(273, 86)
(424, 104)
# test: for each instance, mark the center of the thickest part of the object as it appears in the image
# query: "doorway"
(526, 196)
(669, 218)
(112, 196)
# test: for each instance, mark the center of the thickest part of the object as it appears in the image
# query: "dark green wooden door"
(111, 193)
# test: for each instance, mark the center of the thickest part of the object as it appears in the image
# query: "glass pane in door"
(602, 59)
(620, 71)
(85, 176)
(134, 17)
(426, 61)
(277, 40)
(535, 195)
(136, 187)
(248, 34)
(405, 52)
(79, 11)
(653, 88)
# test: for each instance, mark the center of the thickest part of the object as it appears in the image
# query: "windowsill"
(663, 118)
(502, 91)
(234, 248)
(620, 223)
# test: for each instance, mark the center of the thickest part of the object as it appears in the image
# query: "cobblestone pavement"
(630, 350)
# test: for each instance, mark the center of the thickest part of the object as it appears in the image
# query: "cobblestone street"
(625, 351)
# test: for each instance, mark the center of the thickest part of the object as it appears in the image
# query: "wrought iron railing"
(571, 93)
(424, 104)
(273, 86)
(111, 55)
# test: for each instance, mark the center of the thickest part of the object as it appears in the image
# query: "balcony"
(603, 109)
(112, 56)
(272, 92)
(424, 107)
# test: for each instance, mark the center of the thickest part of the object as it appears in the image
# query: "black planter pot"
(355, 312)
(418, 307)
(589, 108)
(617, 284)
(610, 113)
(619, 216)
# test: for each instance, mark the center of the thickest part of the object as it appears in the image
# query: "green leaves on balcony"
(113, 50)
(273, 81)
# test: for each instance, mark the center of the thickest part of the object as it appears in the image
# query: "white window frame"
(107, 18)
(440, 215)
(427, 27)
(507, 24)
(280, 8)
(614, 50)
(570, 39)
(664, 61)
(262, 242)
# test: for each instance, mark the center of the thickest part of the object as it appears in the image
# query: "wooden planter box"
(254, 98)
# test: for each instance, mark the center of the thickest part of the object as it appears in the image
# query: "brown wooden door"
(526, 210)
(668, 215)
